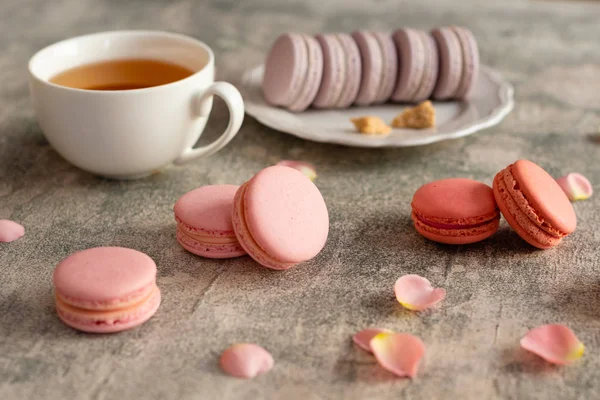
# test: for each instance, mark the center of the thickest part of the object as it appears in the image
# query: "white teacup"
(128, 134)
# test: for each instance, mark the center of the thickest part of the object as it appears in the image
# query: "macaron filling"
(109, 304)
(438, 225)
(120, 316)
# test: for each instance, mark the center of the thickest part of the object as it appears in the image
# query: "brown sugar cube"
(371, 125)
(421, 116)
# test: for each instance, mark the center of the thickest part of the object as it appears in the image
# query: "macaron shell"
(314, 74)
(286, 214)
(390, 66)
(470, 53)
(285, 70)
(451, 63)
(104, 277)
(431, 68)
(109, 321)
(372, 67)
(457, 199)
(411, 52)
(456, 236)
(545, 196)
(334, 72)
(207, 210)
(353, 70)
(245, 236)
(527, 229)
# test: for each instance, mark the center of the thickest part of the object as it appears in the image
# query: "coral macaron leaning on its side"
(455, 211)
(534, 204)
(280, 218)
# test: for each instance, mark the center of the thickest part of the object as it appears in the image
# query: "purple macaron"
(389, 73)
(372, 67)
(451, 63)
(353, 70)
(334, 72)
(293, 71)
(411, 51)
(470, 53)
(430, 68)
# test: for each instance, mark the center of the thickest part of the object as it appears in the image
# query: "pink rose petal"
(363, 338)
(10, 231)
(416, 293)
(399, 353)
(576, 186)
(556, 344)
(246, 360)
(307, 169)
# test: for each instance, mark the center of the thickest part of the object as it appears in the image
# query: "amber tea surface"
(121, 75)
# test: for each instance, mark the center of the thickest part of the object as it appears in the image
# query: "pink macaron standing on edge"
(293, 71)
(455, 211)
(412, 52)
(451, 63)
(106, 289)
(534, 204)
(204, 225)
(372, 67)
(280, 218)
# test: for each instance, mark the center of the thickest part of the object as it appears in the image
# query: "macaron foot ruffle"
(576, 186)
(398, 353)
(555, 343)
(363, 338)
(416, 293)
(307, 169)
(10, 231)
(246, 360)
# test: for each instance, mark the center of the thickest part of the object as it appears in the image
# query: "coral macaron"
(534, 204)
(280, 218)
(106, 289)
(455, 211)
(204, 224)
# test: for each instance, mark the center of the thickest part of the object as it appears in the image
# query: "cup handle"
(233, 99)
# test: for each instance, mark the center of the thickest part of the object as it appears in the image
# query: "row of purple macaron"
(338, 70)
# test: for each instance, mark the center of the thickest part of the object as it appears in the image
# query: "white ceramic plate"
(491, 101)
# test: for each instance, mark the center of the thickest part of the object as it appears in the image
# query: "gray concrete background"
(497, 289)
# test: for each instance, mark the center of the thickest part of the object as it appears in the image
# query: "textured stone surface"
(305, 317)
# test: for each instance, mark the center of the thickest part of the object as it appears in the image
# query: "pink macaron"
(293, 71)
(451, 63)
(204, 224)
(534, 204)
(372, 67)
(280, 218)
(106, 289)
(455, 211)
(430, 68)
(412, 53)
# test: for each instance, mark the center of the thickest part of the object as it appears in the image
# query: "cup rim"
(173, 35)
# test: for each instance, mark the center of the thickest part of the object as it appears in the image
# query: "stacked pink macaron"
(338, 70)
